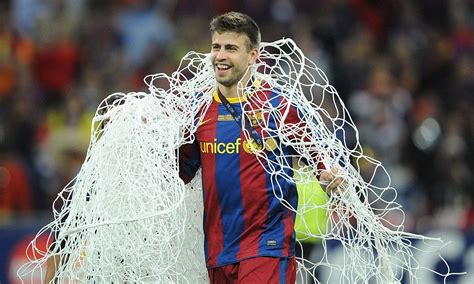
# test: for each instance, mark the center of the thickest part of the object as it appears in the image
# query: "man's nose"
(221, 54)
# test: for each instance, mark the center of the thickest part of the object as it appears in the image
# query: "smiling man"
(249, 233)
(234, 49)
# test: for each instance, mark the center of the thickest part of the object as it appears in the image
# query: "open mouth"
(222, 67)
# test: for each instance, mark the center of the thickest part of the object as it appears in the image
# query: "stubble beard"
(232, 80)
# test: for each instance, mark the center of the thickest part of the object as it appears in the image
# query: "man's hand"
(332, 182)
(52, 264)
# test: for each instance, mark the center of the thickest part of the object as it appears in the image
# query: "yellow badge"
(270, 144)
(250, 146)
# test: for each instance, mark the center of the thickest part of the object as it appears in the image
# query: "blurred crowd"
(404, 68)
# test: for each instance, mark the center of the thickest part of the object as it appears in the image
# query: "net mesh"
(127, 216)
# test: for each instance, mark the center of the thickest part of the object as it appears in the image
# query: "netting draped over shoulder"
(363, 215)
(127, 217)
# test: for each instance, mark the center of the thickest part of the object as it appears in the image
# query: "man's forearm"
(51, 267)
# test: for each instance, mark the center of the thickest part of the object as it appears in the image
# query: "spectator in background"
(7, 70)
(144, 29)
(15, 188)
(380, 109)
(93, 48)
(54, 65)
(66, 143)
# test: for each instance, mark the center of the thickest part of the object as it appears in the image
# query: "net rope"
(128, 217)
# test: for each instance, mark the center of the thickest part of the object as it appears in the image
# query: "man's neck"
(228, 92)
(231, 92)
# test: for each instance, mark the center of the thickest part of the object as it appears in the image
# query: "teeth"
(224, 67)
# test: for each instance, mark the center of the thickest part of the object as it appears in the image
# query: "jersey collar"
(256, 85)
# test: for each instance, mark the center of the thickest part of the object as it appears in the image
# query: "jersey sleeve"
(299, 135)
(189, 161)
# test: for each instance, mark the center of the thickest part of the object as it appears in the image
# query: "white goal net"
(127, 216)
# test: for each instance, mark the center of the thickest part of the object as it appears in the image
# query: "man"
(249, 233)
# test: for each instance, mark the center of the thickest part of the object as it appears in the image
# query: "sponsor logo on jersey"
(249, 146)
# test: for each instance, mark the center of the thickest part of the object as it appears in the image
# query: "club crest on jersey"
(256, 118)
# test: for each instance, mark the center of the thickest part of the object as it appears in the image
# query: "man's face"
(231, 57)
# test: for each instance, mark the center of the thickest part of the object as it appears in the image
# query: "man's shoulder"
(266, 93)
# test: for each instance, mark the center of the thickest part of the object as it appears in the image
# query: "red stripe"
(259, 270)
(291, 270)
(212, 223)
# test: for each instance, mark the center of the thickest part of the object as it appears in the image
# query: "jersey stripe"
(228, 172)
(254, 177)
(290, 189)
(213, 226)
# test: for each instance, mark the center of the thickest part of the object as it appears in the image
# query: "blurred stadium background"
(405, 69)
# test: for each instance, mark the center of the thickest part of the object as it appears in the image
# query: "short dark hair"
(238, 23)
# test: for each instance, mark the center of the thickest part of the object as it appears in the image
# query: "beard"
(233, 78)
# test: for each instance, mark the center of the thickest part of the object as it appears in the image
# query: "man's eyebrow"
(231, 46)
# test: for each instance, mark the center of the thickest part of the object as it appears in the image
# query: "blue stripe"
(275, 230)
(228, 190)
(283, 269)
(206, 245)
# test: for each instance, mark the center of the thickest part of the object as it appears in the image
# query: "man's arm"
(331, 181)
(296, 129)
(189, 161)
(51, 267)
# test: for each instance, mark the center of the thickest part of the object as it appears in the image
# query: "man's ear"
(254, 53)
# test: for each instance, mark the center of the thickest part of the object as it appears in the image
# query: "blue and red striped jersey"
(242, 216)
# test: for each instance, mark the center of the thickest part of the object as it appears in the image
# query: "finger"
(335, 184)
(326, 176)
